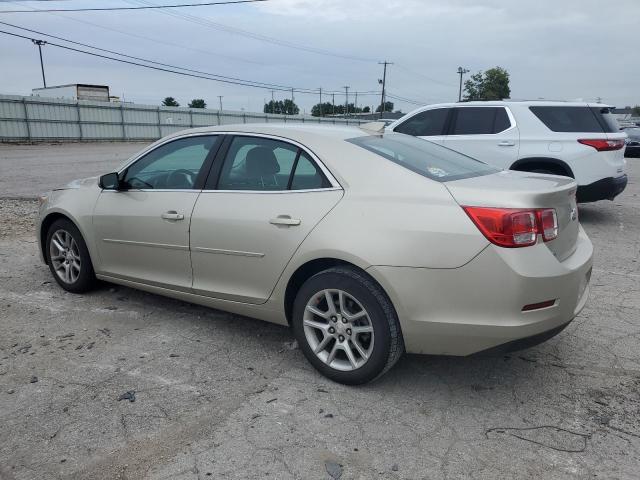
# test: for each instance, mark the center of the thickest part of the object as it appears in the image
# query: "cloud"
(561, 50)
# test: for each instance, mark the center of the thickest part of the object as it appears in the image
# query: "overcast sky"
(554, 49)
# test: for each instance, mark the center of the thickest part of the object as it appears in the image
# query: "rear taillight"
(602, 144)
(514, 227)
(548, 223)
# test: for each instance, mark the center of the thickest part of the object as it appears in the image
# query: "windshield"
(424, 157)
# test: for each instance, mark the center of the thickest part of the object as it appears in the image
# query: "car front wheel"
(346, 326)
(68, 256)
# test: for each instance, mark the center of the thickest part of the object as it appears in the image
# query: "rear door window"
(571, 119)
(480, 120)
(427, 123)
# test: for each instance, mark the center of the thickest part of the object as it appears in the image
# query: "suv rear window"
(576, 119)
(423, 157)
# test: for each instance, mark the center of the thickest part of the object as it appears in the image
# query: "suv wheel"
(346, 326)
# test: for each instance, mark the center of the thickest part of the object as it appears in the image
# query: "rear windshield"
(576, 119)
(424, 157)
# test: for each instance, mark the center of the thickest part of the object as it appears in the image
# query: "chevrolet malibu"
(366, 244)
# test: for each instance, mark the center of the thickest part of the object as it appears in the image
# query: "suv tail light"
(602, 144)
(514, 227)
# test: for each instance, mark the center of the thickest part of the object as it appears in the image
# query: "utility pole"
(321, 113)
(220, 98)
(346, 100)
(384, 85)
(355, 109)
(273, 103)
(39, 43)
(292, 102)
(461, 72)
(333, 103)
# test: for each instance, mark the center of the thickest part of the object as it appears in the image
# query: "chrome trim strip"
(330, 189)
(159, 143)
(228, 252)
(146, 244)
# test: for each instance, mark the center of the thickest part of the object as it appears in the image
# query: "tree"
(636, 111)
(366, 110)
(170, 102)
(490, 85)
(279, 107)
(319, 110)
(388, 107)
(198, 103)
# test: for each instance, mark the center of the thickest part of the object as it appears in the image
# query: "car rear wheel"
(68, 257)
(346, 326)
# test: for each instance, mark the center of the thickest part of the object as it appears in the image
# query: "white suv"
(574, 139)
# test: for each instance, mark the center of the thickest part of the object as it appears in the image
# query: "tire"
(70, 266)
(374, 337)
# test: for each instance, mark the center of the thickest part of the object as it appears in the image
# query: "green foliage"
(328, 109)
(198, 103)
(170, 102)
(490, 85)
(281, 107)
(366, 110)
(388, 107)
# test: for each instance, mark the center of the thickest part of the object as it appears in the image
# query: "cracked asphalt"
(223, 396)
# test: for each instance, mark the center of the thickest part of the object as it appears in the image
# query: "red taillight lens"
(506, 227)
(548, 222)
(514, 227)
(602, 145)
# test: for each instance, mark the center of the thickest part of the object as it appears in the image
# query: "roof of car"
(293, 131)
(518, 102)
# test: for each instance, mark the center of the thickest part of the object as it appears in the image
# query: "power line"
(146, 7)
(417, 74)
(140, 58)
(255, 36)
(175, 69)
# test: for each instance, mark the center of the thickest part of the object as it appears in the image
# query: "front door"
(142, 232)
(247, 225)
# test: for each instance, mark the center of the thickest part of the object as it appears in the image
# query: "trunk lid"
(511, 189)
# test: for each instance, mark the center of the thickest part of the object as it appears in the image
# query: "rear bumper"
(477, 307)
(605, 189)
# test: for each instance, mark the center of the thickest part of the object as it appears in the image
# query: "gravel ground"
(221, 396)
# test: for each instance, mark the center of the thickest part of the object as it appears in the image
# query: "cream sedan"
(366, 244)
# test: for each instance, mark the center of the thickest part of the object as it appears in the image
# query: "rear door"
(265, 195)
(428, 124)
(488, 134)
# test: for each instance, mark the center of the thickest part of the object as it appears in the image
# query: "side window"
(174, 165)
(254, 163)
(568, 119)
(501, 122)
(308, 175)
(480, 120)
(429, 122)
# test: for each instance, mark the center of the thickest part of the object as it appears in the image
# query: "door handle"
(285, 220)
(172, 215)
(507, 143)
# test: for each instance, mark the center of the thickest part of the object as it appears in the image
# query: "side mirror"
(110, 181)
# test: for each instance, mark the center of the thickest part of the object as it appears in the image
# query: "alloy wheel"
(338, 329)
(65, 256)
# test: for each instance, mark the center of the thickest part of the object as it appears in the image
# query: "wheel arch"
(46, 223)
(526, 164)
(312, 267)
